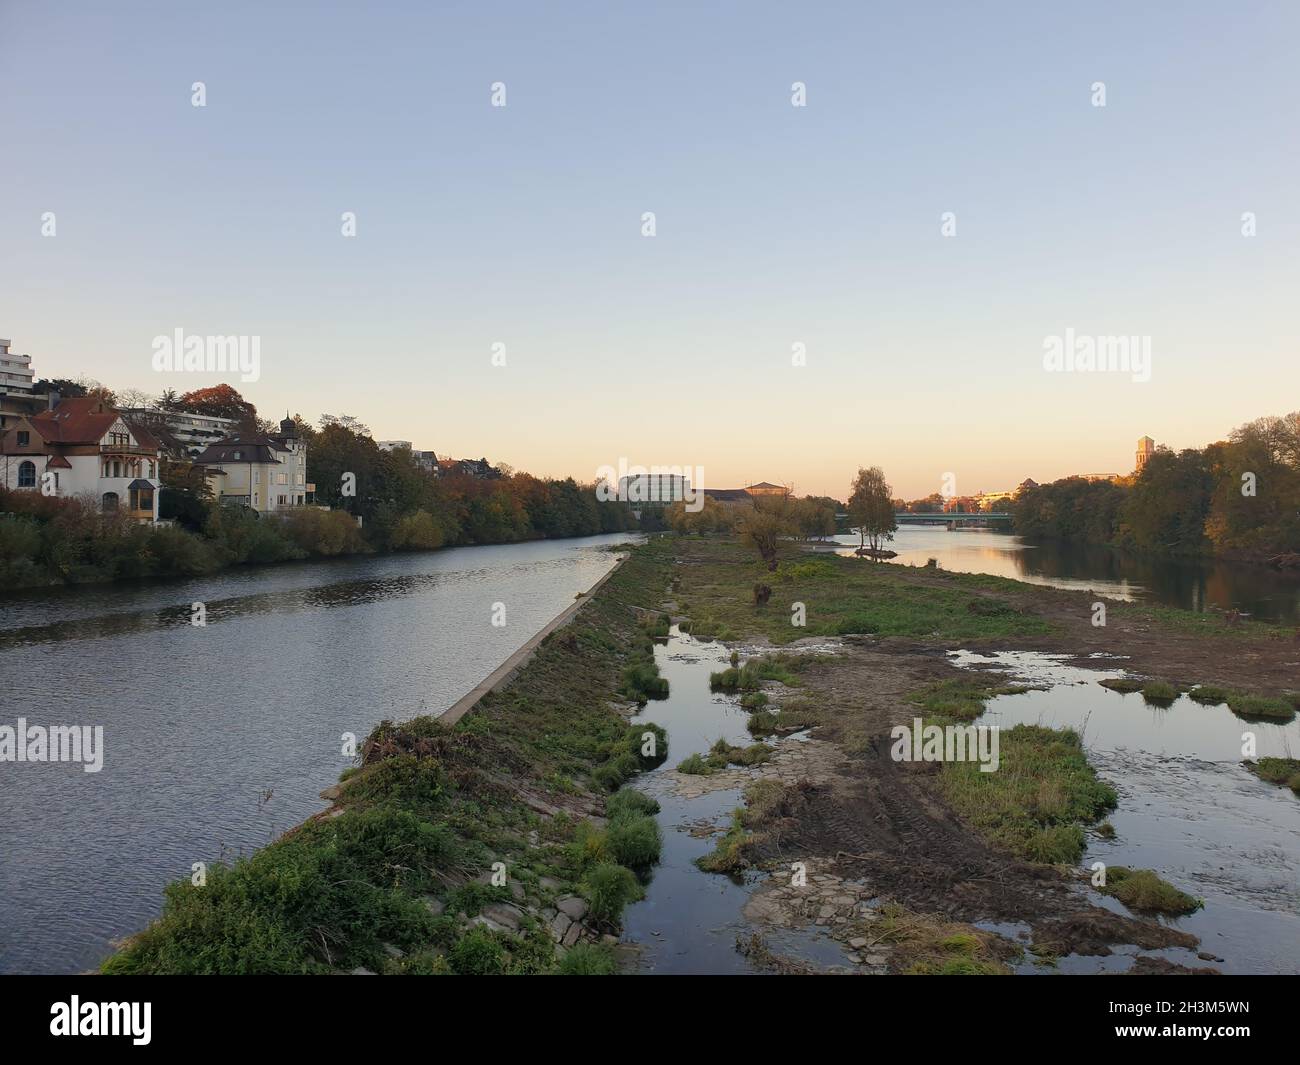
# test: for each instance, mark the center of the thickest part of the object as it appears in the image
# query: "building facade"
(653, 488)
(84, 448)
(18, 397)
(267, 474)
(182, 433)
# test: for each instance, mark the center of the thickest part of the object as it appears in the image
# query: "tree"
(220, 401)
(871, 509)
(763, 527)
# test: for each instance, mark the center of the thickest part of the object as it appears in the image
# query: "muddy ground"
(871, 819)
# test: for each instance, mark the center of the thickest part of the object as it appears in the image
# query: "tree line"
(1238, 498)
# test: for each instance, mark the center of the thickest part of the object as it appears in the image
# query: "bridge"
(908, 518)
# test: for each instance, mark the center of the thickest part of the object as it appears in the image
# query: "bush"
(417, 532)
(608, 889)
(588, 959)
(630, 803)
(477, 953)
(634, 841)
(324, 532)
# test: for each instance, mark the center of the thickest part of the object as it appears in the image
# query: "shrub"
(608, 889)
(417, 532)
(477, 953)
(324, 532)
(630, 803)
(635, 841)
(588, 959)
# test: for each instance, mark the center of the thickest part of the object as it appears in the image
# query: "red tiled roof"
(58, 462)
(82, 420)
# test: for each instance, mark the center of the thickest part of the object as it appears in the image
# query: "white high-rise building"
(15, 370)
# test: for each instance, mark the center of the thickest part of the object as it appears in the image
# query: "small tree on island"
(871, 509)
(763, 527)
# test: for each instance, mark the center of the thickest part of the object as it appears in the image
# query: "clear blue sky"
(776, 224)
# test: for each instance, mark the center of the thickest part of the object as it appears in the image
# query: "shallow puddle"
(690, 920)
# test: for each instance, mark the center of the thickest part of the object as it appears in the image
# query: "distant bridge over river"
(909, 518)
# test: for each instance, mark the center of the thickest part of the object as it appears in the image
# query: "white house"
(84, 447)
(268, 474)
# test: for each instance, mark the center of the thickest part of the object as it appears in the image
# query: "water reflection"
(1193, 584)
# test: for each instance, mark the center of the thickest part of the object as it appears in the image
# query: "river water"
(219, 738)
(1193, 584)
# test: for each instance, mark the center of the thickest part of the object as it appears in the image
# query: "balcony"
(127, 449)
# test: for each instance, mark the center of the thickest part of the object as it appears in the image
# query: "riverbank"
(487, 845)
(51, 542)
(522, 780)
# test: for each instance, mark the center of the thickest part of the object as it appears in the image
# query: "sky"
(778, 229)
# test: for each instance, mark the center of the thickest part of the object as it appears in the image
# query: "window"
(281, 478)
(26, 475)
(142, 499)
(110, 502)
(24, 438)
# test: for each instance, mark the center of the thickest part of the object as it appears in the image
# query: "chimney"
(52, 398)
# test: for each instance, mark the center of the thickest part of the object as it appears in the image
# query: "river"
(219, 737)
(1193, 584)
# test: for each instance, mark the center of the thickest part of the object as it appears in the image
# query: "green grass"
(751, 676)
(1208, 695)
(609, 888)
(1142, 890)
(728, 855)
(931, 945)
(723, 754)
(1277, 709)
(1283, 771)
(1039, 798)
(589, 959)
(961, 698)
(842, 596)
(1159, 692)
